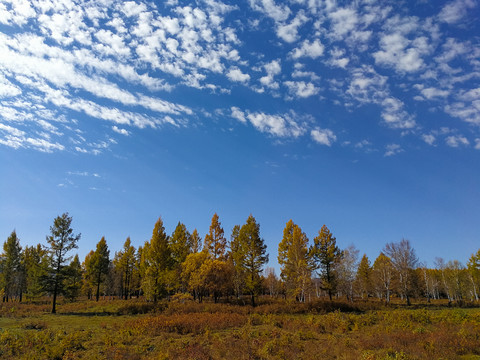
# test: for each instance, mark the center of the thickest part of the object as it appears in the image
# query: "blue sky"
(360, 115)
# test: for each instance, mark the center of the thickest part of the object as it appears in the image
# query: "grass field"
(133, 329)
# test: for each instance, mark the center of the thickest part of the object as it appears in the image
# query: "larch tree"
(35, 259)
(98, 265)
(125, 265)
(364, 276)
(295, 261)
(236, 255)
(88, 281)
(11, 267)
(61, 241)
(196, 241)
(180, 244)
(254, 256)
(327, 256)
(404, 262)
(157, 263)
(215, 242)
(180, 247)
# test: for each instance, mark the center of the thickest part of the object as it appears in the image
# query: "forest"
(181, 296)
(184, 264)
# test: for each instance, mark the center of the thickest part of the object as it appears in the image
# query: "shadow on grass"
(87, 314)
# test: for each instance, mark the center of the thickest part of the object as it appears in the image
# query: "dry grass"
(273, 330)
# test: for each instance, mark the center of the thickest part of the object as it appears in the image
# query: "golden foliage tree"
(254, 257)
(215, 241)
(295, 261)
(156, 264)
(364, 276)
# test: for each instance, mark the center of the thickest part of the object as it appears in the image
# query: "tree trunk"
(55, 289)
(97, 295)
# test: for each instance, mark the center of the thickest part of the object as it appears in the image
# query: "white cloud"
(235, 74)
(432, 93)
(111, 60)
(12, 141)
(11, 130)
(120, 131)
(397, 53)
(131, 8)
(362, 144)
(429, 139)
(277, 125)
(344, 20)
(456, 141)
(309, 49)
(454, 11)
(272, 10)
(301, 89)
(394, 115)
(272, 68)
(392, 149)
(19, 12)
(339, 62)
(367, 86)
(7, 89)
(21, 140)
(238, 114)
(305, 74)
(289, 32)
(467, 108)
(477, 144)
(323, 136)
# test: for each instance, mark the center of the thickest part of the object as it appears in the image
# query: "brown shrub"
(195, 323)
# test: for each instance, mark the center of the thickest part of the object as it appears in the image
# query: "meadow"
(183, 329)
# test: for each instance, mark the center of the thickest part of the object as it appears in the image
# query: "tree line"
(184, 264)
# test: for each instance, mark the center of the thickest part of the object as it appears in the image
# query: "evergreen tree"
(61, 242)
(215, 241)
(254, 255)
(11, 267)
(98, 265)
(327, 256)
(364, 276)
(295, 261)
(73, 280)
